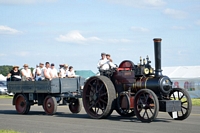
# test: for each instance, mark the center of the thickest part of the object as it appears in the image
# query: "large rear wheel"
(98, 97)
(146, 105)
(186, 103)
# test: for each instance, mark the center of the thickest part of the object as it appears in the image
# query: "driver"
(103, 62)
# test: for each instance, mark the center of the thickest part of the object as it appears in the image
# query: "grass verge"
(5, 96)
(8, 131)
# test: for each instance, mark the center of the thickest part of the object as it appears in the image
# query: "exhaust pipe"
(157, 53)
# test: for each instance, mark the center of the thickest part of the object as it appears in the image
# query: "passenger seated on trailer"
(63, 71)
(70, 73)
(39, 72)
(14, 74)
(54, 72)
(26, 73)
(45, 75)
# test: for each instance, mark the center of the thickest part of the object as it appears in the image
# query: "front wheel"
(186, 103)
(75, 105)
(146, 105)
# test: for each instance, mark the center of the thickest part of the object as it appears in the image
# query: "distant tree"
(5, 69)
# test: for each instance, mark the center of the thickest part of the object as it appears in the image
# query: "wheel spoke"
(103, 101)
(151, 111)
(103, 94)
(147, 114)
(184, 102)
(181, 97)
(184, 107)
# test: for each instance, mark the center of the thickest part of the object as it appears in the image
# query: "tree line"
(5, 69)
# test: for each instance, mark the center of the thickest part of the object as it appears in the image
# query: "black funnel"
(157, 52)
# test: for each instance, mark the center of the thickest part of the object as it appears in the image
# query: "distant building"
(84, 73)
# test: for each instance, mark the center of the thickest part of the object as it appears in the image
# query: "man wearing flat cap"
(102, 64)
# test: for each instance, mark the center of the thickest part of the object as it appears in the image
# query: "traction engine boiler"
(135, 90)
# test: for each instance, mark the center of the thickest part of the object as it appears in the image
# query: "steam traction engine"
(135, 90)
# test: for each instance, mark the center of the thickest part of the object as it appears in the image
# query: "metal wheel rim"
(49, 105)
(21, 104)
(97, 99)
(75, 106)
(186, 104)
(146, 105)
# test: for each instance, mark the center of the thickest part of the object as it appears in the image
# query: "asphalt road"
(66, 122)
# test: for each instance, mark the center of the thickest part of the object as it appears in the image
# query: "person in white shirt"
(63, 71)
(34, 72)
(39, 72)
(70, 73)
(103, 62)
(46, 75)
(26, 73)
(54, 72)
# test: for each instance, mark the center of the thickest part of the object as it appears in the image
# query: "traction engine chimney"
(157, 52)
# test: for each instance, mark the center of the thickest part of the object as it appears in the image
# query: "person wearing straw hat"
(63, 71)
(26, 73)
(14, 74)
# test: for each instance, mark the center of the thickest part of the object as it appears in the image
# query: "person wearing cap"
(110, 61)
(63, 71)
(26, 73)
(109, 58)
(103, 62)
(54, 72)
(14, 74)
(46, 75)
(38, 72)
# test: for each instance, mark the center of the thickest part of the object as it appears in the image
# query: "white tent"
(187, 77)
(2, 77)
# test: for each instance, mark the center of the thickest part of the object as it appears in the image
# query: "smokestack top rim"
(157, 39)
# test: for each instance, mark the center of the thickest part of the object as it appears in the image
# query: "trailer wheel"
(22, 105)
(146, 105)
(50, 105)
(98, 97)
(75, 105)
(186, 103)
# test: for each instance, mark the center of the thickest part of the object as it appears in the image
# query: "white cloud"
(25, 1)
(22, 53)
(1, 54)
(197, 22)
(8, 30)
(118, 41)
(175, 13)
(178, 27)
(139, 3)
(139, 29)
(76, 37)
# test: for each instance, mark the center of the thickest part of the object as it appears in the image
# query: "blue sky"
(77, 31)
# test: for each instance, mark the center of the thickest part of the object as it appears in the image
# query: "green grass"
(5, 96)
(8, 131)
(196, 102)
